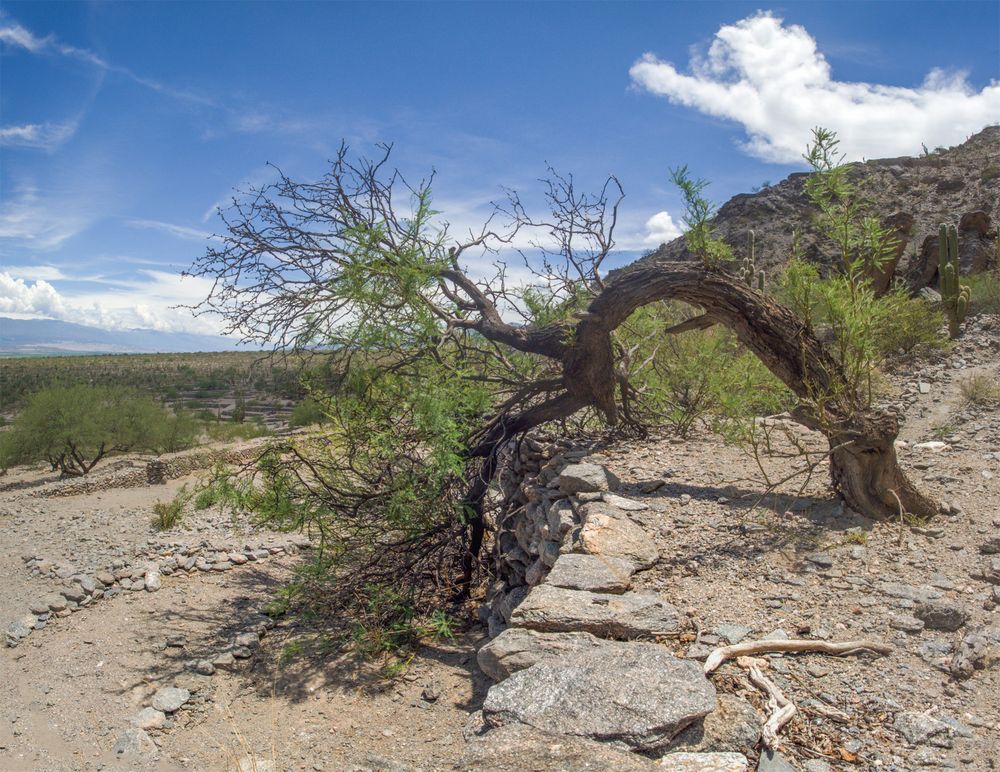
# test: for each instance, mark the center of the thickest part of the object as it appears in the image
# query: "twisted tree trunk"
(864, 469)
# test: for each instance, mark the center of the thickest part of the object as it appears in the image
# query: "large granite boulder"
(586, 478)
(637, 697)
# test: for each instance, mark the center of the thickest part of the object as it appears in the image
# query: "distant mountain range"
(38, 337)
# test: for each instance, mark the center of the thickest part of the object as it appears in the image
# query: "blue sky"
(124, 125)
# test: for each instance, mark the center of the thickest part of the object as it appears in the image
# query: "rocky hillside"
(959, 185)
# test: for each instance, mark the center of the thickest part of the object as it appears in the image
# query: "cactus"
(955, 296)
(748, 266)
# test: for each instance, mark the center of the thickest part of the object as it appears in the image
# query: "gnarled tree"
(440, 365)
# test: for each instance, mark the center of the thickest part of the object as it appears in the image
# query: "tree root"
(723, 653)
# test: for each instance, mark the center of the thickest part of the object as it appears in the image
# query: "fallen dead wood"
(780, 708)
(753, 648)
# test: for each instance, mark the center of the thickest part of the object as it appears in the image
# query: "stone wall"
(575, 651)
(136, 474)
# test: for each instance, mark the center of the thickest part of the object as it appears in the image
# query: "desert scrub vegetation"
(169, 514)
(980, 389)
(75, 427)
(985, 291)
(167, 376)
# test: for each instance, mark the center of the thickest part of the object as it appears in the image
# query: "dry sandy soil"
(795, 561)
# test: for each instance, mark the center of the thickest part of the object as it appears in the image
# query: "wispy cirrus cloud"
(772, 79)
(46, 136)
(41, 222)
(179, 231)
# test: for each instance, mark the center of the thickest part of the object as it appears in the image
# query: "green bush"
(308, 412)
(227, 432)
(74, 427)
(985, 292)
(168, 514)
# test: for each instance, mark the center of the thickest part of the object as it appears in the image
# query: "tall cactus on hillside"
(748, 266)
(956, 296)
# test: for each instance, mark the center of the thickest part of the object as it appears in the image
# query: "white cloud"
(660, 228)
(148, 302)
(180, 231)
(46, 136)
(771, 78)
(35, 272)
(42, 223)
(14, 34)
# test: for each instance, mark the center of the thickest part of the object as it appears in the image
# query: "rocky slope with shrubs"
(916, 195)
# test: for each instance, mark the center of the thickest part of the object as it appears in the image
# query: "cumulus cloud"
(660, 228)
(771, 78)
(148, 301)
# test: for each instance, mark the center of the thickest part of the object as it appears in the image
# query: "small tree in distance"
(75, 427)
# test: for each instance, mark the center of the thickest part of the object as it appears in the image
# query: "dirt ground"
(793, 561)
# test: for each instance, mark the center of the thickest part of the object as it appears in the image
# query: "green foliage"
(169, 376)
(955, 296)
(863, 245)
(308, 412)
(698, 213)
(168, 514)
(697, 376)
(985, 287)
(205, 498)
(74, 427)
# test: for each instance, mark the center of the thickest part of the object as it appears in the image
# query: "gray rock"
(55, 601)
(204, 667)
(905, 623)
(733, 633)
(991, 570)
(973, 653)
(560, 518)
(704, 762)
(39, 606)
(585, 478)
(247, 639)
(595, 573)
(821, 559)
(733, 726)
(153, 580)
(106, 578)
(517, 649)
(991, 546)
(21, 628)
(149, 718)
(773, 761)
(134, 742)
(170, 698)
(941, 614)
(620, 502)
(816, 765)
(518, 747)
(632, 615)
(921, 729)
(638, 697)
(225, 661)
(610, 533)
